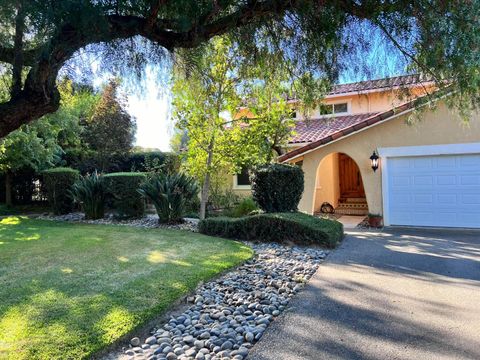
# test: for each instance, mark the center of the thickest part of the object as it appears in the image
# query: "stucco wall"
(327, 186)
(373, 101)
(442, 126)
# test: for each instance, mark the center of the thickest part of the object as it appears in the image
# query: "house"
(428, 172)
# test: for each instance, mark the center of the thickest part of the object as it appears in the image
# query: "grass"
(69, 290)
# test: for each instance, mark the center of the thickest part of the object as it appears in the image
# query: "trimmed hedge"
(144, 161)
(122, 189)
(277, 187)
(58, 183)
(293, 227)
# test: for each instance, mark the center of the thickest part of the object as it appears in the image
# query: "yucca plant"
(90, 193)
(170, 194)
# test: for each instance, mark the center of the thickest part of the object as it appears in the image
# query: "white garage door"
(434, 190)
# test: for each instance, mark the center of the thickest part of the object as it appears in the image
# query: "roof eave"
(364, 125)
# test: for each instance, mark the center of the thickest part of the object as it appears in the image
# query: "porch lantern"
(374, 160)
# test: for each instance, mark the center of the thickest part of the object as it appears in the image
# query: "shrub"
(295, 227)
(277, 187)
(58, 183)
(244, 207)
(170, 194)
(122, 190)
(151, 161)
(89, 192)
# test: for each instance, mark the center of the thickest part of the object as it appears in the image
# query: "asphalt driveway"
(399, 294)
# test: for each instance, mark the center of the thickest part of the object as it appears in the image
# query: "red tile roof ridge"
(369, 121)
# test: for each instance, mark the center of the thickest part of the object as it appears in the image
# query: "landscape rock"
(228, 315)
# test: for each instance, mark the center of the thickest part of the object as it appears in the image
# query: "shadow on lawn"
(67, 309)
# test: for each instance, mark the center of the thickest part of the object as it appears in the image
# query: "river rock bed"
(148, 221)
(230, 314)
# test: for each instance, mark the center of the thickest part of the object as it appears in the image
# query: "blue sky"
(149, 97)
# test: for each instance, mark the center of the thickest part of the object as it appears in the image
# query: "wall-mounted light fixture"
(374, 159)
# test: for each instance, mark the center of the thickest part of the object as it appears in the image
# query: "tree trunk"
(206, 182)
(18, 51)
(8, 188)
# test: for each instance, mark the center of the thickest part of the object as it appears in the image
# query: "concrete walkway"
(350, 221)
(399, 294)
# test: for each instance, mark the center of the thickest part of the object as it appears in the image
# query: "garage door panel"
(447, 199)
(446, 180)
(434, 190)
(470, 180)
(401, 181)
(423, 180)
(471, 199)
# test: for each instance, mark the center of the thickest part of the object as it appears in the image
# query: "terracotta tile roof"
(376, 84)
(317, 129)
(392, 82)
(320, 135)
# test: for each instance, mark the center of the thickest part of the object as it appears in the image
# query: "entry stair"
(352, 206)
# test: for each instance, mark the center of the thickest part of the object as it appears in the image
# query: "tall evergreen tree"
(110, 132)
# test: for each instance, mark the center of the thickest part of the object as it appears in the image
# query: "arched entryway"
(339, 183)
(350, 179)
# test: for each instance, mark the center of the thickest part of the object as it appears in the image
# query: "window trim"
(349, 108)
(236, 185)
(239, 187)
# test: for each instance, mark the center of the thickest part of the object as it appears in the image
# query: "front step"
(352, 206)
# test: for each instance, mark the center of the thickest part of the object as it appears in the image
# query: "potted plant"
(375, 220)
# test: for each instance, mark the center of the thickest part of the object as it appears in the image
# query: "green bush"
(277, 187)
(89, 192)
(244, 207)
(170, 194)
(293, 227)
(58, 183)
(124, 198)
(151, 161)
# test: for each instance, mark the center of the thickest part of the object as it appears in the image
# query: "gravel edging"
(229, 315)
(148, 221)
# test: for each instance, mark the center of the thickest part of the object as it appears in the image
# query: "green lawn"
(69, 290)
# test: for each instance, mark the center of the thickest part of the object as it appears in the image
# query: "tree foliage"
(209, 88)
(37, 38)
(110, 131)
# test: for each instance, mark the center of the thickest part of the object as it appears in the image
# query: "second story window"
(329, 109)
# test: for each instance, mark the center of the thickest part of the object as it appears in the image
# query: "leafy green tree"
(201, 99)
(37, 38)
(32, 146)
(110, 131)
(41, 144)
(206, 101)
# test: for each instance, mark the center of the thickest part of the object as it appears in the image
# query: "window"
(329, 109)
(340, 108)
(242, 180)
(326, 109)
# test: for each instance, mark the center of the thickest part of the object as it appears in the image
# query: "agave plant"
(90, 193)
(170, 194)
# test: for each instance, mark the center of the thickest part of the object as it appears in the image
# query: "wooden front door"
(351, 184)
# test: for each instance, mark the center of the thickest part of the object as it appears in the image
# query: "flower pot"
(375, 221)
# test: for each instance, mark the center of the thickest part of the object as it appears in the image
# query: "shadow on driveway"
(398, 294)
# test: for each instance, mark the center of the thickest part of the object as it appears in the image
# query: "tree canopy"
(110, 131)
(233, 109)
(37, 38)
